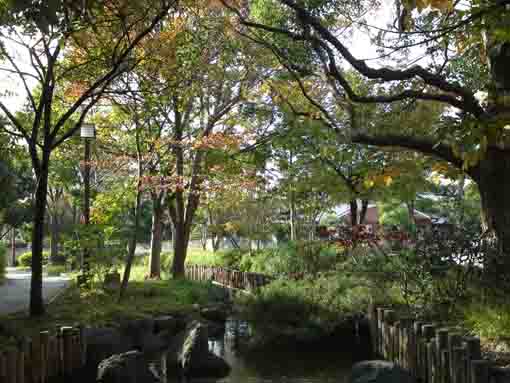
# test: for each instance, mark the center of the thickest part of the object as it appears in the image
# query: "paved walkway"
(15, 292)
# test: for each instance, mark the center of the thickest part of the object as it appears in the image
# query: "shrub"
(3, 262)
(319, 304)
(25, 259)
(489, 321)
(292, 259)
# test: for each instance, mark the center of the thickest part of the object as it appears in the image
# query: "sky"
(13, 95)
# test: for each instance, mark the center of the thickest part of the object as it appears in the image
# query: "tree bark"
(36, 292)
(55, 237)
(13, 247)
(138, 214)
(292, 216)
(494, 185)
(363, 213)
(353, 204)
(156, 236)
(180, 251)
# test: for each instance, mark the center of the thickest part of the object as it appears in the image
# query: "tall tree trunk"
(292, 216)
(180, 250)
(133, 240)
(494, 185)
(410, 212)
(54, 237)
(353, 205)
(364, 210)
(134, 236)
(460, 198)
(36, 292)
(216, 240)
(203, 236)
(13, 247)
(156, 236)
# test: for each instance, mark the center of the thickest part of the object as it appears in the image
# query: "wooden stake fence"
(229, 278)
(44, 357)
(431, 354)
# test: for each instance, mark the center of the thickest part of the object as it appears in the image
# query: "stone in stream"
(216, 313)
(190, 354)
(129, 367)
(103, 343)
(379, 371)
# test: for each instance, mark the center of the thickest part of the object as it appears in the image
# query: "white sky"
(13, 94)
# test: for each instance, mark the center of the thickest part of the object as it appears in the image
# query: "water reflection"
(328, 364)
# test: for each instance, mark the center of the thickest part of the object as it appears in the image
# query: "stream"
(305, 364)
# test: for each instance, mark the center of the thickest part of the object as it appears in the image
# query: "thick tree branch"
(422, 145)
(469, 102)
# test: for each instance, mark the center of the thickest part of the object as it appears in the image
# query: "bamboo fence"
(44, 357)
(431, 353)
(226, 277)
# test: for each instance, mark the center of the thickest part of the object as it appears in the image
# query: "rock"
(129, 367)
(189, 354)
(217, 313)
(195, 346)
(215, 329)
(142, 335)
(379, 371)
(103, 343)
(166, 323)
(211, 366)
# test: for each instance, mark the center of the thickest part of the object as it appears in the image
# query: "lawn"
(95, 307)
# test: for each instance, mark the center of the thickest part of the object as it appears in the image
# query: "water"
(319, 364)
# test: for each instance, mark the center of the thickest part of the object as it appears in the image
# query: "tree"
(75, 51)
(471, 135)
(200, 89)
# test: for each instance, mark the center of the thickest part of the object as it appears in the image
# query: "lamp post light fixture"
(88, 133)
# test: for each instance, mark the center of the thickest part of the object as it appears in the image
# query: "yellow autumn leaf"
(368, 183)
(388, 180)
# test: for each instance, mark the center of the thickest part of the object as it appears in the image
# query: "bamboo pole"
(66, 333)
(44, 340)
(428, 332)
(11, 365)
(454, 340)
(35, 358)
(432, 373)
(459, 366)
(415, 349)
(389, 320)
(380, 340)
(25, 346)
(473, 352)
(23, 355)
(372, 321)
(3, 367)
(396, 343)
(479, 371)
(83, 346)
(442, 347)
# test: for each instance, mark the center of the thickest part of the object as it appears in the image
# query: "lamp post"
(88, 133)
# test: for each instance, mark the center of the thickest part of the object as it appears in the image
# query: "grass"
(97, 308)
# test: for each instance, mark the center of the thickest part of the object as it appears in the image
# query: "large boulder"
(379, 371)
(216, 313)
(142, 333)
(190, 356)
(103, 343)
(129, 367)
(195, 346)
